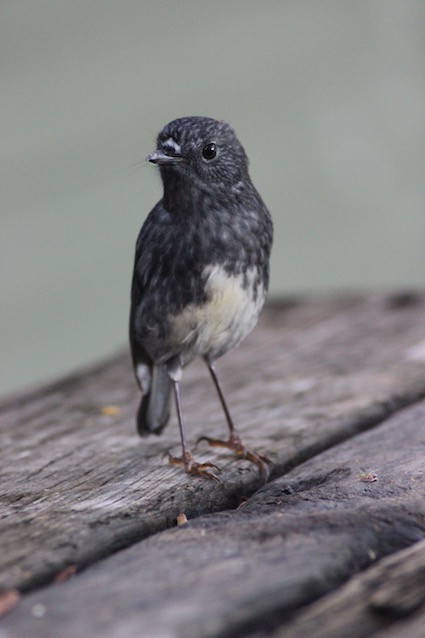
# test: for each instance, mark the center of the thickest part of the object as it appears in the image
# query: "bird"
(201, 275)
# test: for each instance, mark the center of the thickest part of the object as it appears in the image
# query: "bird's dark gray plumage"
(201, 269)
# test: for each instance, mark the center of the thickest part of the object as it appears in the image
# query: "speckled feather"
(202, 260)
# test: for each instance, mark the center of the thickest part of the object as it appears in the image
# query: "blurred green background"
(328, 98)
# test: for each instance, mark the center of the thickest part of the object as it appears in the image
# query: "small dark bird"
(201, 273)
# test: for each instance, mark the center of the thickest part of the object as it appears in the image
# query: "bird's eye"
(209, 152)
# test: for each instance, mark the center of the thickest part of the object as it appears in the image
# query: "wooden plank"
(382, 601)
(78, 484)
(250, 569)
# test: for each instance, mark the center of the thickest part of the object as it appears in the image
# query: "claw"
(192, 467)
(235, 444)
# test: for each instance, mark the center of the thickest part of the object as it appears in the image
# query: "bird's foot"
(192, 467)
(235, 444)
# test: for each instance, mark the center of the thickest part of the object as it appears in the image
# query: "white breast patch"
(227, 317)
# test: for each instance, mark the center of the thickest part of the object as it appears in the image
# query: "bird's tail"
(154, 409)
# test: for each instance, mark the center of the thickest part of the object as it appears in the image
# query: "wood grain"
(78, 484)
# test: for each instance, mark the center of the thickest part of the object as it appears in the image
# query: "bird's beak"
(161, 157)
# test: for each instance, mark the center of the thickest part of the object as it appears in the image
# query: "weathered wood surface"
(78, 485)
(233, 572)
(379, 601)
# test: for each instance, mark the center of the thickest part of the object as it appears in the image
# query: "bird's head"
(203, 151)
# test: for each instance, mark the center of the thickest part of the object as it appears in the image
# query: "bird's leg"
(186, 461)
(234, 441)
